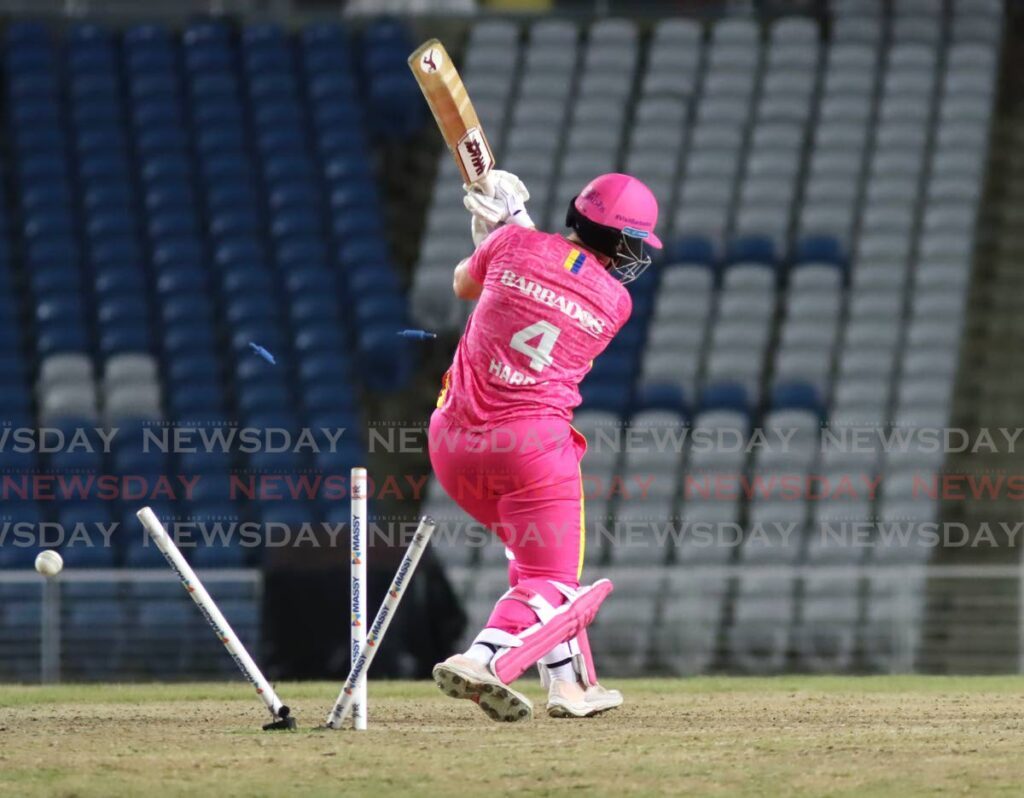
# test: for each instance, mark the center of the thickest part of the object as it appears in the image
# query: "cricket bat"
(453, 110)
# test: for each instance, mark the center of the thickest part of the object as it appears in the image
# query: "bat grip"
(485, 185)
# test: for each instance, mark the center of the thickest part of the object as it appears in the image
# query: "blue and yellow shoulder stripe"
(574, 261)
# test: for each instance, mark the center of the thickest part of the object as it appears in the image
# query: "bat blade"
(453, 111)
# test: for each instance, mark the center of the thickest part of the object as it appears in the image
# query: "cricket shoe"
(462, 677)
(570, 700)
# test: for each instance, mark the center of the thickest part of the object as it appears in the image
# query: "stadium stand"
(165, 199)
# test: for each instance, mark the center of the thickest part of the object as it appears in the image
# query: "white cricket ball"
(49, 563)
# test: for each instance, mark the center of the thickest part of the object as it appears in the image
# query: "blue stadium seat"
(136, 459)
(214, 86)
(56, 339)
(26, 34)
(125, 337)
(220, 554)
(107, 196)
(20, 512)
(239, 221)
(165, 166)
(330, 36)
(46, 195)
(341, 147)
(49, 223)
(149, 61)
(91, 61)
(172, 223)
(751, 249)
(725, 396)
(272, 86)
(193, 367)
(201, 461)
(386, 309)
(315, 337)
(161, 140)
(189, 399)
(223, 111)
(314, 308)
(147, 37)
(662, 396)
(692, 249)
(242, 250)
(303, 281)
(185, 309)
(795, 395)
(88, 459)
(238, 280)
(364, 222)
(385, 359)
(139, 553)
(212, 488)
(350, 183)
(263, 60)
(283, 463)
(231, 195)
(614, 397)
(292, 514)
(199, 59)
(321, 399)
(294, 224)
(185, 281)
(54, 279)
(332, 86)
(819, 249)
(263, 397)
(85, 556)
(121, 250)
(157, 112)
(169, 194)
(613, 366)
(253, 372)
(281, 141)
(118, 311)
(59, 309)
(322, 367)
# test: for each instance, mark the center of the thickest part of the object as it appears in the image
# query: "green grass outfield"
(813, 736)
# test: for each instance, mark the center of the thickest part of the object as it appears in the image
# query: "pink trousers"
(522, 481)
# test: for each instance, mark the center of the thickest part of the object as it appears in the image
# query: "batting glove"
(500, 200)
(479, 229)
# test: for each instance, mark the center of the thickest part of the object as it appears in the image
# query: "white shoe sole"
(498, 701)
(563, 709)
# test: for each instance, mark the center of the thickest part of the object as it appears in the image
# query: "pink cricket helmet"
(617, 214)
(622, 202)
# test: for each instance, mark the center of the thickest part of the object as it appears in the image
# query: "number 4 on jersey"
(540, 355)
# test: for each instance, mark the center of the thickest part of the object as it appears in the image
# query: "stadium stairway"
(979, 632)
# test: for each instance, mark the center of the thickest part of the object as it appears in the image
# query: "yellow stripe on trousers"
(583, 529)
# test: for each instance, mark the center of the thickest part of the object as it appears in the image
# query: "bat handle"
(485, 185)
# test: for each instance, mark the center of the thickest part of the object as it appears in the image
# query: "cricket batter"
(501, 442)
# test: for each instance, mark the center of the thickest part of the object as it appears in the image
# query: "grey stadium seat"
(623, 630)
(825, 640)
(685, 641)
(758, 641)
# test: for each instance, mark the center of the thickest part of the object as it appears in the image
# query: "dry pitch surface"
(898, 736)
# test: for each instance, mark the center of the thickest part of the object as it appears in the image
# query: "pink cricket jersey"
(548, 308)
